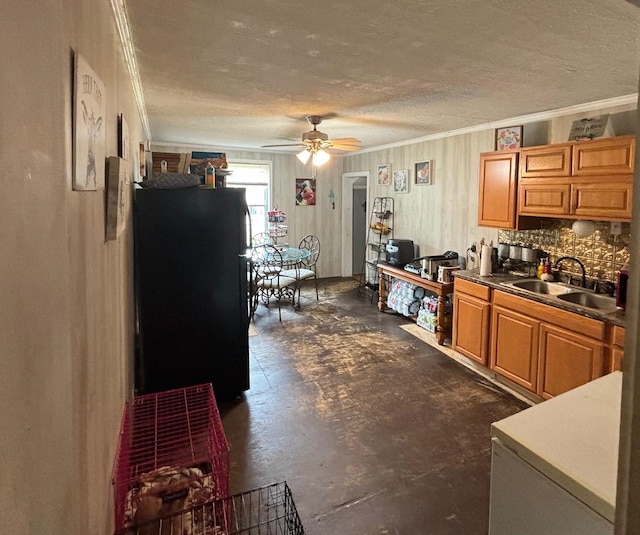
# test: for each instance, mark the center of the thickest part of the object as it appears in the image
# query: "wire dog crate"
(263, 511)
(172, 454)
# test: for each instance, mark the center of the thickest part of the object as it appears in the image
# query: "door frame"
(348, 180)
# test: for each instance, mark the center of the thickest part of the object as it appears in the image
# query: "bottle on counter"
(547, 276)
(210, 178)
(540, 269)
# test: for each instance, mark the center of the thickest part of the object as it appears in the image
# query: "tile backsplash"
(602, 254)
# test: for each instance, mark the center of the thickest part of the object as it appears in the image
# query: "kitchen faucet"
(584, 271)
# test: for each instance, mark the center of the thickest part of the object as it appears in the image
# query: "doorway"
(359, 223)
(353, 225)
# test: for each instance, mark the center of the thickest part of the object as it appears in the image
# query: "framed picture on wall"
(384, 174)
(423, 173)
(89, 139)
(117, 197)
(509, 137)
(123, 138)
(305, 191)
(401, 181)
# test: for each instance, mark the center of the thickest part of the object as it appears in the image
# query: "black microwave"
(399, 252)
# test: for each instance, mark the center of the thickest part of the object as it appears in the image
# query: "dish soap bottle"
(547, 276)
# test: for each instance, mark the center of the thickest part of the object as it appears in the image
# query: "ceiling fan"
(315, 143)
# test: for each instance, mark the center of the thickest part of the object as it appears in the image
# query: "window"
(255, 177)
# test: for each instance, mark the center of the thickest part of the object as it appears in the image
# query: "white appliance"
(554, 466)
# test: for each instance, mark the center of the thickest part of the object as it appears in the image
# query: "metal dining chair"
(261, 238)
(268, 279)
(307, 267)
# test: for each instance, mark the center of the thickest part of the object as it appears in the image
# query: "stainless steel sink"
(540, 287)
(579, 298)
(589, 300)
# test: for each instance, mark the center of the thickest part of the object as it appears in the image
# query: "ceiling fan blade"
(347, 148)
(346, 144)
(347, 141)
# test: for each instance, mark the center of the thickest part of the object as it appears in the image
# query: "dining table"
(291, 258)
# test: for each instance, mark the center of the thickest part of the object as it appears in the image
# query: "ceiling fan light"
(304, 156)
(321, 157)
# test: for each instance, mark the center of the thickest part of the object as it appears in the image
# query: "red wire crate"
(172, 454)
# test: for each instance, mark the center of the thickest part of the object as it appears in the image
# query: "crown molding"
(122, 23)
(522, 119)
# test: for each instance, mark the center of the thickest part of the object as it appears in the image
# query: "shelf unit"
(277, 228)
(379, 232)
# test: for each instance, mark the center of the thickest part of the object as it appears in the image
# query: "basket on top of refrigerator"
(172, 455)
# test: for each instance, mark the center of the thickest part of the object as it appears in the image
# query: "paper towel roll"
(485, 260)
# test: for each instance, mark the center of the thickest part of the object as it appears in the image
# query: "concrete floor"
(375, 431)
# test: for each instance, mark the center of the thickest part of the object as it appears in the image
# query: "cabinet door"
(604, 199)
(609, 156)
(514, 346)
(616, 358)
(549, 160)
(471, 318)
(498, 189)
(543, 197)
(567, 360)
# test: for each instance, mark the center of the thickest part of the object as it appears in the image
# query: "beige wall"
(66, 339)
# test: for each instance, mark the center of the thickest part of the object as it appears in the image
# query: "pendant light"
(583, 228)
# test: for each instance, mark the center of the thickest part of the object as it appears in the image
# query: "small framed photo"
(424, 171)
(384, 174)
(123, 138)
(509, 137)
(401, 181)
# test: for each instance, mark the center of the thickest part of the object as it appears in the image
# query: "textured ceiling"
(245, 73)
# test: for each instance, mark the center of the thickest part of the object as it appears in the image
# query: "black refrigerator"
(191, 289)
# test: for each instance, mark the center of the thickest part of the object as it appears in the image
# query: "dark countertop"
(497, 280)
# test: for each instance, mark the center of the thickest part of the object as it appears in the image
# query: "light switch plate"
(616, 228)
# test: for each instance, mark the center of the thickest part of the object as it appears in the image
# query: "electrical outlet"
(616, 228)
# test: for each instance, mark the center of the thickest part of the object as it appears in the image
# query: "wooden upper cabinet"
(546, 160)
(543, 197)
(602, 198)
(498, 189)
(608, 156)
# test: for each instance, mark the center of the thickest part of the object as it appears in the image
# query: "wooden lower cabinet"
(514, 346)
(566, 360)
(471, 317)
(543, 349)
(615, 338)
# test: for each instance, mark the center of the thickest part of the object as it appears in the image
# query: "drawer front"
(471, 288)
(552, 160)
